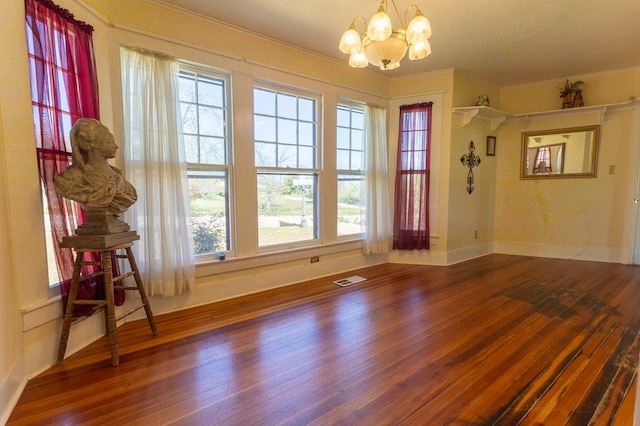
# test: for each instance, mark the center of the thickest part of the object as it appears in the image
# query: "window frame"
(351, 105)
(228, 168)
(413, 169)
(316, 170)
(68, 33)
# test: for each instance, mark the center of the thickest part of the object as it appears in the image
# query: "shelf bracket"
(601, 114)
(496, 122)
(468, 115)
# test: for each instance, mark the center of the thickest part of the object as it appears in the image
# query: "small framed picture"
(491, 146)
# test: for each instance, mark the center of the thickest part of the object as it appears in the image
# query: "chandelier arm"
(404, 25)
(406, 12)
(353, 23)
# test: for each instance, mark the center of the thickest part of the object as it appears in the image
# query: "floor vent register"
(344, 282)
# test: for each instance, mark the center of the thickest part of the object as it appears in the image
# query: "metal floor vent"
(349, 280)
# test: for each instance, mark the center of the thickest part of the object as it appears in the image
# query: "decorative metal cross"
(470, 160)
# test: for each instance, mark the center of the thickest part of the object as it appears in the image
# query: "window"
(63, 89)
(204, 101)
(411, 215)
(287, 165)
(350, 166)
(543, 160)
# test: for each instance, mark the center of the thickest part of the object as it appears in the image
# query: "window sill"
(265, 259)
(35, 315)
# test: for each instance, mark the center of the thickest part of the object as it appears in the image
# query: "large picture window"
(287, 165)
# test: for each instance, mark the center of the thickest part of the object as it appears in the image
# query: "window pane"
(212, 151)
(287, 106)
(287, 156)
(191, 148)
(307, 109)
(350, 212)
(306, 133)
(343, 138)
(357, 118)
(265, 128)
(344, 117)
(211, 92)
(208, 194)
(357, 138)
(356, 160)
(264, 102)
(342, 159)
(211, 121)
(287, 131)
(286, 208)
(187, 87)
(265, 154)
(307, 157)
(189, 118)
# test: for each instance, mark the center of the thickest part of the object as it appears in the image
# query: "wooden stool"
(105, 245)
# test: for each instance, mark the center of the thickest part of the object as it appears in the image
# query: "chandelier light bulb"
(419, 50)
(419, 29)
(358, 59)
(379, 28)
(350, 41)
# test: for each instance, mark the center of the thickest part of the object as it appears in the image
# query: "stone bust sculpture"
(100, 188)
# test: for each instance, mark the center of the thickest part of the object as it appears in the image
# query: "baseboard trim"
(11, 389)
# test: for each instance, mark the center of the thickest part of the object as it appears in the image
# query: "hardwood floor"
(499, 340)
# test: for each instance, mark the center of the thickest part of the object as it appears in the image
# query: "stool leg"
(68, 315)
(143, 295)
(110, 316)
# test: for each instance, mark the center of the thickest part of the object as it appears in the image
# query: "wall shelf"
(496, 117)
(487, 113)
(601, 110)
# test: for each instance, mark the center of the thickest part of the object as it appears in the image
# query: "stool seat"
(82, 244)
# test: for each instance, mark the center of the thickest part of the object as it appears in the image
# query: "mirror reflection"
(560, 153)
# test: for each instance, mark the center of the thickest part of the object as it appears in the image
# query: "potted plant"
(566, 93)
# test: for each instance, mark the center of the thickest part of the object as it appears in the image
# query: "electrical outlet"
(612, 169)
(475, 235)
(315, 259)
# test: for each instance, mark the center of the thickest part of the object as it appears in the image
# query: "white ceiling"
(502, 42)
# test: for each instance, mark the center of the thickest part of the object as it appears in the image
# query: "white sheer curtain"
(155, 164)
(376, 187)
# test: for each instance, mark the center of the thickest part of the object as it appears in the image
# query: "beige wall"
(600, 89)
(570, 218)
(11, 374)
(21, 242)
(470, 216)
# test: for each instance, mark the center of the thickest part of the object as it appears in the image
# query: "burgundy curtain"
(64, 88)
(411, 213)
(543, 154)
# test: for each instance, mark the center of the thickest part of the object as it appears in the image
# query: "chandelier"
(385, 46)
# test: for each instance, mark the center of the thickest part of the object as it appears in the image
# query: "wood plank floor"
(501, 340)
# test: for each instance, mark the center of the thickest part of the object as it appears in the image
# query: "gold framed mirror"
(560, 153)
